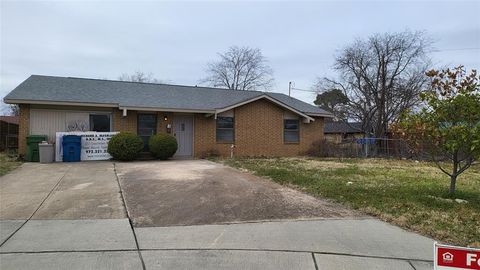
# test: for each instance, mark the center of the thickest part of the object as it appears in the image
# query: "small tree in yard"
(448, 126)
(333, 100)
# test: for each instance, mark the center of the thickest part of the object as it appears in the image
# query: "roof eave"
(327, 115)
(66, 103)
(159, 109)
(308, 118)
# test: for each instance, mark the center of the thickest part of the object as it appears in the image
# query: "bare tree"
(139, 76)
(240, 68)
(382, 77)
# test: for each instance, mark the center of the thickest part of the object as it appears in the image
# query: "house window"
(100, 122)
(225, 129)
(291, 130)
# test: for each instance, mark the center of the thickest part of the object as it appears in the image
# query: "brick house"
(204, 120)
(338, 132)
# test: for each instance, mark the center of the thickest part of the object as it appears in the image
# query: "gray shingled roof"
(144, 95)
(343, 127)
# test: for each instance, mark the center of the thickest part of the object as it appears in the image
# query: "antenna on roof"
(291, 86)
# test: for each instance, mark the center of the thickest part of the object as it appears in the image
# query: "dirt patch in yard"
(191, 192)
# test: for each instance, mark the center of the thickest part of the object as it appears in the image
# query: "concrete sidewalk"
(317, 244)
(368, 237)
(58, 216)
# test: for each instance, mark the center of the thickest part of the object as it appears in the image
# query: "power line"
(304, 90)
(457, 49)
(291, 86)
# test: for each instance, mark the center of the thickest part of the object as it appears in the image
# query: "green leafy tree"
(333, 100)
(448, 125)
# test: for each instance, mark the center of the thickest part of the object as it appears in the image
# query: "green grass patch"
(8, 163)
(413, 195)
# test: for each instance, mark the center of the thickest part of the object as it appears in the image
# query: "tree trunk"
(453, 176)
(453, 182)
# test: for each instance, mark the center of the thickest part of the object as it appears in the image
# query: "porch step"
(145, 156)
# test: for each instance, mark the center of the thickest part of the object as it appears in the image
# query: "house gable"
(307, 119)
(259, 131)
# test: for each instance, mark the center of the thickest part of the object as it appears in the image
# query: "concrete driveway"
(54, 216)
(61, 191)
(193, 192)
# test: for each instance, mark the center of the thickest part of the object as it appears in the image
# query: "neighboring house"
(8, 132)
(204, 120)
(338, 132)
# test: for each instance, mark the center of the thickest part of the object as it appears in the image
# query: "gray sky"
(175, 40)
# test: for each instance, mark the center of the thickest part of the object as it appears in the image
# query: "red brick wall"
(127, 123)
(258, 132)
(23, 128)
(162, 124)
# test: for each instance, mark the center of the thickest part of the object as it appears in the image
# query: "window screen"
(291, 130)
(100, 122)
(225, 129)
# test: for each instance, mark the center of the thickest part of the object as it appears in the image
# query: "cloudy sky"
(175, 40)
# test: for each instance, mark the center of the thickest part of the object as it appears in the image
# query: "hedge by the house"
(162, 146)
(125, 146)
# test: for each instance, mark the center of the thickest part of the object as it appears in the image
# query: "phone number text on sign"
(95, 145)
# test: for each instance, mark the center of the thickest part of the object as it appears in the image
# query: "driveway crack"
(217, 238)
(314, 261)
(128, 216)
(39, 206)
(411, 264)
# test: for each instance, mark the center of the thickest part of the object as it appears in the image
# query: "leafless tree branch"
(382, 77)
(240, 68)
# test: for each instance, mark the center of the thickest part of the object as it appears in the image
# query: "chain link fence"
(363, 148)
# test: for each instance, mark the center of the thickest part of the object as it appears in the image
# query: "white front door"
(183, 132)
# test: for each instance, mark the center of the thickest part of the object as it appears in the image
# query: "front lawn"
(7, 163)
(412, 195)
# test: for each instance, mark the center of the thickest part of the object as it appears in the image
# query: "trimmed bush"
(125, 146)
(162, 146)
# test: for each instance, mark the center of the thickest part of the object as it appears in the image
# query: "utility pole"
(289, 88)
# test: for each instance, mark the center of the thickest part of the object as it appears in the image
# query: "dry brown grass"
(410, 194)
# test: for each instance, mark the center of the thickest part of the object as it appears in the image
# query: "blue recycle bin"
(72, 144)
